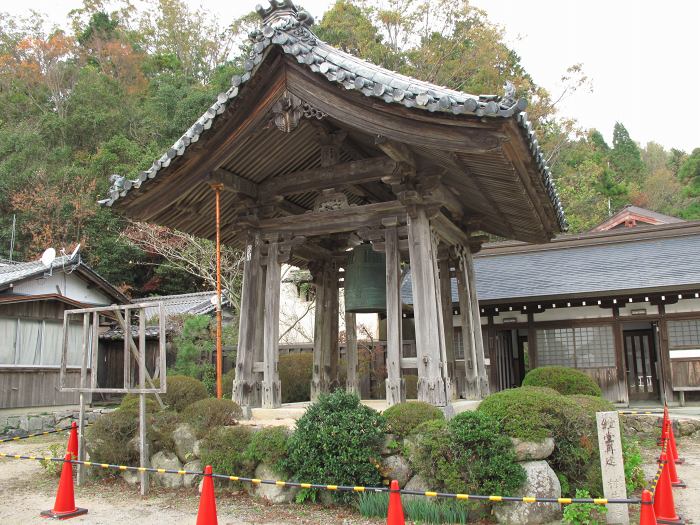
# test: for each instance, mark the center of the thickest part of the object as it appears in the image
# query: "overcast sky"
(642, 56)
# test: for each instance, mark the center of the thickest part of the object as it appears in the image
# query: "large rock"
(190, 480)
(533, 450)
(184, 440)
(169, 461)
(541, 482)
(130, 476)
(272, 493)
(417, 483)
(196, 449)
(398, 468)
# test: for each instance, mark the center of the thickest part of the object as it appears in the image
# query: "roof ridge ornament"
(283, 10)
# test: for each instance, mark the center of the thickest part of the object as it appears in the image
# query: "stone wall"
(21, 425)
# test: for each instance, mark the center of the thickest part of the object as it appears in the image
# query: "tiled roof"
(623, 265)
(198, 303)
(287, 27)
(15, 272)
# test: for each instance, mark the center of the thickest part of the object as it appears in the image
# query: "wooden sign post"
(612, 466)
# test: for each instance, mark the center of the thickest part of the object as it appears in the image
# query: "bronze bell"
(365, 281)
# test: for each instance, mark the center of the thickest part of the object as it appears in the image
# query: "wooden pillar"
(431, 384)
(493, 354)
(318, 384)
(271, 388)
(476, 319)
(666, 383)
(332, 324)
(471, 387)
(531, 341)
(619, 343)
(352, 384)
(245, 386)
(448, 326)
(395, 389)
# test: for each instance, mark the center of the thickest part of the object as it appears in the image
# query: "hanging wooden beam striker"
(217, 187)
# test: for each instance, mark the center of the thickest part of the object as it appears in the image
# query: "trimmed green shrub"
(295, 375)
(161, 426)
(593, 404)
(567, 381)
(227, 383)
(183, 391)
(533, 413)
(108, 437)
(469, 454)
(269, 445)
(206, 414)
(403, 418)
(131, 402)
(338, 440)
(224, 449)
(411, 382)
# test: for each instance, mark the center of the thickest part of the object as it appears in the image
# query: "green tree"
(625, 157)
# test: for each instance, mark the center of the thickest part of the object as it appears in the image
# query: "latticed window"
(584, 347)
(685, 333)
(458, 343)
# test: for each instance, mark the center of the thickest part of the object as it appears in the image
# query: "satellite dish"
(75, 252)
(48, 257)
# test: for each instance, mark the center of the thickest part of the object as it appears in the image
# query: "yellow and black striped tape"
(44, 433)
(339, 488)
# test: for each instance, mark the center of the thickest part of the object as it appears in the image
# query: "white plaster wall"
(294, 311)
(683, 306)
(626, 311)
(69, 285)
(563, 313)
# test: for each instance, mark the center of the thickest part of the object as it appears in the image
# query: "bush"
(295, 375)
(54, 468)
(269, 445)
(593, 404)
(403, 418)
(206, 414)
(533, 413)
(584, 513)
(567, 381)
(108, 437)
(183, 391)
(224, 449)
(634, 473)
(337, 440)
(131, 402)
(469, 454)
(419, 510)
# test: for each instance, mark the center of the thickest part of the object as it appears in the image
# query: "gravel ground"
(27, 490)
(687, 500)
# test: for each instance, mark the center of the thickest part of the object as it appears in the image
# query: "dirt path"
(27, 490)
(687, 500)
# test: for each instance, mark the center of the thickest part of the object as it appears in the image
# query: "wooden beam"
(233, 182)
(395, 389)
(334, 221)
(396, 150)
(347, 173)
(271, 387)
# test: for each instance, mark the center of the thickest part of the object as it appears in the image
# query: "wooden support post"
(471, 386)
(352, 384)
(619, 343)
(244, 386)
(317, 378)
(445, 282)
(143, 445)
(476, 323)
(332, 323)
(431, 383)
(271, 389)
(395, 389)
(83, 384)
(665, 379)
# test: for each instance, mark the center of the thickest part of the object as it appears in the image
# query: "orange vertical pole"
(219, 359)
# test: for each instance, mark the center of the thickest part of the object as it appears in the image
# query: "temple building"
(349, 170)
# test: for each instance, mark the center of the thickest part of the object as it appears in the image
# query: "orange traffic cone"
(73, 441)
(64, 507)
(672, 443)
(672, 472)
(646, 515)
(207, 501)
(664, 506)
(395, 515)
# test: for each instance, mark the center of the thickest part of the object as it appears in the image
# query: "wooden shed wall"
(36, 386)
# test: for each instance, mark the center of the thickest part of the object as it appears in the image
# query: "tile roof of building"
(198, 303)
(288, 28)
(600, 265)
